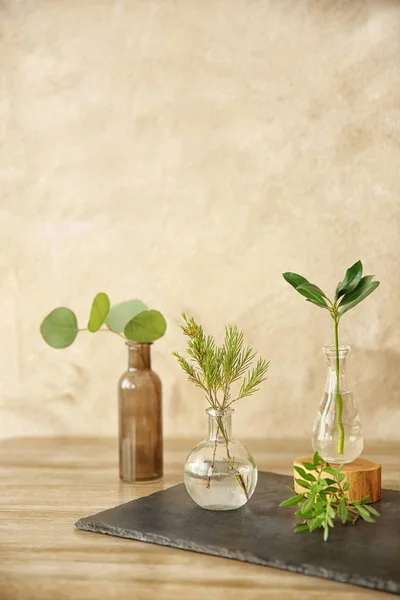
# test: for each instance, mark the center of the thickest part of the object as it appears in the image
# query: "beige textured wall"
(187, 152)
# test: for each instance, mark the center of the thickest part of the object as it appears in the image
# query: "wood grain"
(47, 484)
(364, 477)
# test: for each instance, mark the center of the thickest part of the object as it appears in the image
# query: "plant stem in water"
(338, 395)
(239, 477)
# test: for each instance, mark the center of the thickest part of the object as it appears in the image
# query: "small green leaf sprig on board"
(351, 291)
(325, 499)
(131, 320)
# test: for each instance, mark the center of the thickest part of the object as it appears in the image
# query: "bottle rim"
(330, 350)
(226, 412)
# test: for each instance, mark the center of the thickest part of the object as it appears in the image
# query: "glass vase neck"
(331, 357)
(337, 368)
(139, 356)
(219, 424)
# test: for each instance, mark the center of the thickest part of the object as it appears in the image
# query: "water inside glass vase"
(220, 474)
(337, 434)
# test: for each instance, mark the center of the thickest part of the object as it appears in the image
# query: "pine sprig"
(253, 379)
(325, 500)
(215, 369)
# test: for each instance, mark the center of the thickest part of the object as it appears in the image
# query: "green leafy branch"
(325, 499)
(131, 320)
(215, 369)
(351, 291)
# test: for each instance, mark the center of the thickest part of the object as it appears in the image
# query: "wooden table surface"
(47, 484)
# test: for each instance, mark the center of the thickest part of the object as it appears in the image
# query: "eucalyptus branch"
(129, 320)
(351, 291)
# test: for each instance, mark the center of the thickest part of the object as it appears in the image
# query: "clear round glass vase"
(220, 473)
(337, 434)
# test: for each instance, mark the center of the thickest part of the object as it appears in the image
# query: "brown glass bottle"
(140, 418)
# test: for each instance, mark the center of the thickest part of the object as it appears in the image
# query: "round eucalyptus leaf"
(146, 327)
(122, 313)
(99, 311)
(60, 328)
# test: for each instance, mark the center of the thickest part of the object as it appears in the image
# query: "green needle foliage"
(60, 327)
(325, 500)
(216, 369)
(351, 291)
(224, 373)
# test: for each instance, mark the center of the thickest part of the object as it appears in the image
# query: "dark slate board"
(364, 554)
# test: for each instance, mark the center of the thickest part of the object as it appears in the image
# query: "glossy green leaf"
(312, 287)
(304, 514)
(364, 514)
(313, 293)
(146, 327)
(372, 510)
(351, 280)
(317, 522)
(317, 459)
(300, 471)
(329, 481)
(364, 289)
(326, 532)
(364, 500)
(120, 314)
(293, 501)
(318, 303)
(342, 510)
(308, 504)
(309, 466)
(303, 483)
(294, 279)
(331, 512)
(318, 511)
(99, 311)
(331, 471)
(340, 477)
(346, 486)
(60, 328)
(300, 528)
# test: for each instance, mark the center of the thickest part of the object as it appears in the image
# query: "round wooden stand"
(364, 477)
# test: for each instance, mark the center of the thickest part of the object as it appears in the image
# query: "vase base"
(150, 479)
(224, 507)
(364, 477)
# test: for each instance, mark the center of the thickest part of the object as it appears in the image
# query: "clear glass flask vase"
(220, 474)
(337, 434)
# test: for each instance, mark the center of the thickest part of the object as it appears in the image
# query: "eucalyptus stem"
(338, 395)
